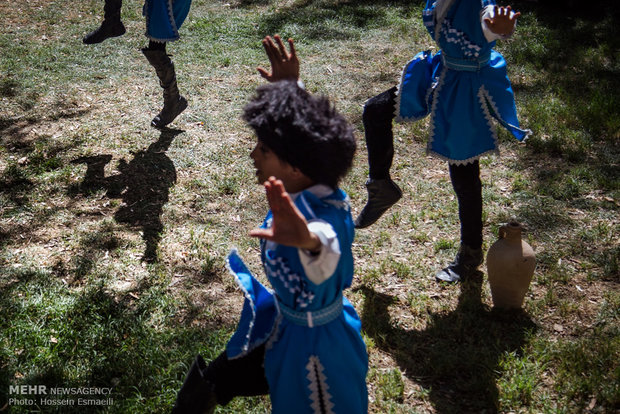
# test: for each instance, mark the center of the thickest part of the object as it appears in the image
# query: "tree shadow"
(14, 129)
(32, 155)
(571, 161)
(577, 44)
(143, 185)
(456, 357)
(103, 339)
(328, 20)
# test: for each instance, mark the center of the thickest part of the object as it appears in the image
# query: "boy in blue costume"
(163, 20)
(301, 342)
(463, 87)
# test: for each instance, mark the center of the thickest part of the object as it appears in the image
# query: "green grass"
(113, 235)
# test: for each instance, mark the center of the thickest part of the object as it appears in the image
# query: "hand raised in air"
(503, 22)
(288, 227)
(284, 65)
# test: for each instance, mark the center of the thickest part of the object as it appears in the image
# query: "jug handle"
(502, 232)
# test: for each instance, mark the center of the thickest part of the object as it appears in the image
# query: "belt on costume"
(312, 318)
(467, 65)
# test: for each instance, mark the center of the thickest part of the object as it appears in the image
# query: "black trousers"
(243, 376)
(377, 118)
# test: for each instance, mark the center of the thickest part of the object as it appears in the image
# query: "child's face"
(268, 164)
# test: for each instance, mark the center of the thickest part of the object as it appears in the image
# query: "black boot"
(466, 262)
(111, 25)
(174, 103)
(382, 194)
(197, 395)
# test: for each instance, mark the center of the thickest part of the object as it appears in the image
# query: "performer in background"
(463, 87)
(163, 20)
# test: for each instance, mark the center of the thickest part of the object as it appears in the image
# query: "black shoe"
(172, 108)
(174, 103)
(382, 194)
(197, 395)
(466, 262)
(108, 28)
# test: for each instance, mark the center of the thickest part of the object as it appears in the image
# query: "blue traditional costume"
(163, 21)
(463, 86)
(315, 359)
(164, 18)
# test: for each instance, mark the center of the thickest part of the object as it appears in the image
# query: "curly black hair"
(303, 130)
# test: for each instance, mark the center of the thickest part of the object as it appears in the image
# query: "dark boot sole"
(157, 121)
(101, 34)
(375, 208)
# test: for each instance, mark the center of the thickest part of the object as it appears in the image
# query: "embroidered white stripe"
(319, 390)
(397, 116)
(482, 93)
(431, 126)
(246, 346)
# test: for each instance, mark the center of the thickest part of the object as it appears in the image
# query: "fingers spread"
(282, 50)
(291, 45)
(262, 233)
(271, 50)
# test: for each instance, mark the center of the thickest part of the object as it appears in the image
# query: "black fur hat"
(302, 130)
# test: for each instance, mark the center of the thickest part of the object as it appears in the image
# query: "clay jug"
(510, 267)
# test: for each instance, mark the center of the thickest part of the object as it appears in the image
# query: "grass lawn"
(113, 234)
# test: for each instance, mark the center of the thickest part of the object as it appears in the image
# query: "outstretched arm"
(289, 227)
(284, 65)
(503, 21)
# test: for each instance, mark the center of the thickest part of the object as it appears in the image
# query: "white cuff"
(320, 267)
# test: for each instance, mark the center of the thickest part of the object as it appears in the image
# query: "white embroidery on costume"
(440, 8)
(278, 269)
(246, 346)
(319, 390)
(339, 204)
(431, 125)
(485, 99)
(484, 93)
(469, 49)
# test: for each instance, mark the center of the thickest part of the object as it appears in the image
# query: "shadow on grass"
(566, 65)
(330, 20)
(576, 45)
(14, 131)
(92, 337)
(31, 156)
(143, 186)
(456, 358)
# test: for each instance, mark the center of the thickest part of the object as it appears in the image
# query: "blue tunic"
(164, 18)
(463, 86)
(315, 359)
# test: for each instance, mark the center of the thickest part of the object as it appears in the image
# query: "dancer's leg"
(174, 103)
(222, 380)
(111, 25)
(468, 188)
(382, 191)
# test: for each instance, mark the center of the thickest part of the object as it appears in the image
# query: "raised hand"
(288, 227)
(503, 21)
(284, 65)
